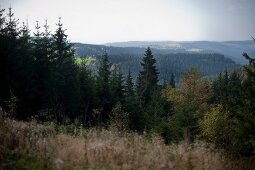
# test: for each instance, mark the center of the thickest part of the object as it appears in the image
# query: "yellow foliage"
(172, 94)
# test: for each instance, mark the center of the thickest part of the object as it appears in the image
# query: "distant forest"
(128, 59)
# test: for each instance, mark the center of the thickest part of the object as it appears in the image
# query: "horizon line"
(129, 41)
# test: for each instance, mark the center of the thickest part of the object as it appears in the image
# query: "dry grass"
(94, 149)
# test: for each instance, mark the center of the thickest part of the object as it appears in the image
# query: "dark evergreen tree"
(41, 68)
(133, 106)
(25, 88)
(66, 91)
(234, 100)
(102, 86)
(148, 77)
(129, 85)
(4, 61)
(172, 81)
(87, 93)
(116, 86)
(16, 65)
(153, 106)
(9, 58)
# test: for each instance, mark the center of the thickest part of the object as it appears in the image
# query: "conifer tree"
(87, 91)
(102, 85)
(116, 86)
(4, 61)
(153, 105)
(133, 106)
(172, 81)
(129, 85)
(8, 55)
(66, 91)
(148, 76)
(249, 101)
(43, 77)
(25, 88)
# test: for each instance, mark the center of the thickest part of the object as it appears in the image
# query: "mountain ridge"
(230, 49)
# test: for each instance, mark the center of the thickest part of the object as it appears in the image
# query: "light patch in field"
(173, 45)
(197, 50)
(85, 60)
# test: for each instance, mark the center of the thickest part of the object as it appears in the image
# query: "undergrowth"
(30, 145)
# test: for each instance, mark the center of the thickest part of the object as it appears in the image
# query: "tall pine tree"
(66, 91)
(148, 77)
(102, 86)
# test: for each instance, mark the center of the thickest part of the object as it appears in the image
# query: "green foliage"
(102, 86)
(119, 119)
(133, 106)
(116, 86)
(225, 132)
(215, 126)
(190, 101)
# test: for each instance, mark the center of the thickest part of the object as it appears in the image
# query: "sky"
(102, 21)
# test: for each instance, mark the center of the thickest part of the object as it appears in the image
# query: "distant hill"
(177, 61)
(94, 50)
(230, 49)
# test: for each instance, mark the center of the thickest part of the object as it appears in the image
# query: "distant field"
(86, 60)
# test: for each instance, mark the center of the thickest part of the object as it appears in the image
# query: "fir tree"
(43, 75)
(102, 85)
(9, 58)
(172, 81)
(87, 91)
(129, 85)
(66, 92)
(148, 77)
(116, 86)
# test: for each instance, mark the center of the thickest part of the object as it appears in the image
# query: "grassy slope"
(86, 60)
(29, 145)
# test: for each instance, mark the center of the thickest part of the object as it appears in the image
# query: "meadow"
(31, 145)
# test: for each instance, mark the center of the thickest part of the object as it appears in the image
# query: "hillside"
(169, 61)
(230, 49)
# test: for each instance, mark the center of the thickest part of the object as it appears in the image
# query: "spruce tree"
(43, 68)
(133, 106)
(172, 81)
(4, 61)
(148, 76)
(102, 86)
(25, 88)
(129, 85)
(153, 105)
(116, 86)
(9, 61)
(248, 112)
(66, 92)
(87, 92)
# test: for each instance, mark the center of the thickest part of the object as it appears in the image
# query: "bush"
(225, 132)
(119, 119)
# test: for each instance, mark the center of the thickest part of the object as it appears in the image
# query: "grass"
(29, 145)
(86, 60)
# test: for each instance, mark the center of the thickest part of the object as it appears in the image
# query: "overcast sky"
(101, 21)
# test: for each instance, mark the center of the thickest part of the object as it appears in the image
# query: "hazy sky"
(100, 21)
